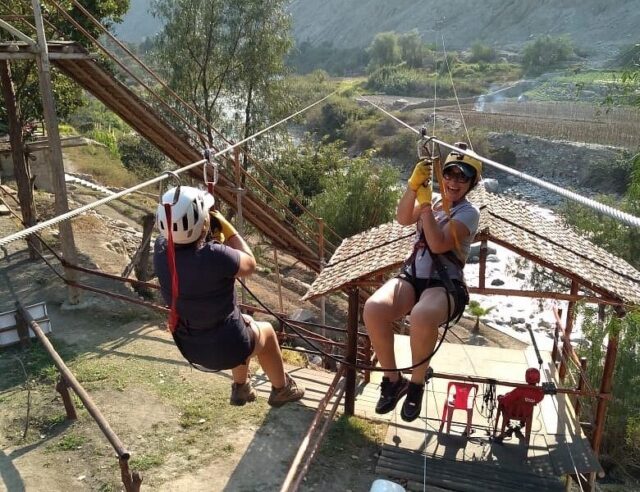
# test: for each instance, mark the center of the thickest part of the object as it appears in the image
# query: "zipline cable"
(614, 213)
(73, 213)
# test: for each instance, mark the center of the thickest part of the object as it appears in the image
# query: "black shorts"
(460, 294)
(226, 346)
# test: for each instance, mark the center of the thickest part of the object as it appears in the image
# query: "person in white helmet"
(197, 279)
(445, 228)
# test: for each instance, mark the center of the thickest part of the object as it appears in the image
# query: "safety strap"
(173, 271)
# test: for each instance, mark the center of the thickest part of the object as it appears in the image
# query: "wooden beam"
(536, 259)
(545, 295)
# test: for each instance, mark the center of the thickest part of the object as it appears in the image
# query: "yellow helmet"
(469, 165)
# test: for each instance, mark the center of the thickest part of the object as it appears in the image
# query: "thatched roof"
(510, 223)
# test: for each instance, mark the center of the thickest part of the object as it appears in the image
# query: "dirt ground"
(176, 422)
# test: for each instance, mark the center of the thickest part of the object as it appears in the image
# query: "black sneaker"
(390, 394)
(412, 403)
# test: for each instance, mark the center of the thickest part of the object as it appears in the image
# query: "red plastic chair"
(518, 405)
(463, 399)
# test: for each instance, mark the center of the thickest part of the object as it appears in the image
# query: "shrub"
(546, 52)
(481, 52)
(362, 196)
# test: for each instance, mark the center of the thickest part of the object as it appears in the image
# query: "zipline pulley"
(206, 165)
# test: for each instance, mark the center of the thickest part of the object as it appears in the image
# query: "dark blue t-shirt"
(206, 278)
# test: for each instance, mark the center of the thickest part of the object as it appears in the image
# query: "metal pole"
(352, 347)
(289, 481)
(55, 153)
(71, 380)
(323, 306)
(239, 192)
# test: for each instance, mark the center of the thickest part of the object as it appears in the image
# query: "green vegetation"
(100, 163)
(621, 445)
(307, 58)
(481, 52)
(140, 157)
(69, 442)
(197, 46)
(545, 53)
(359, 197)
(146, 461)
(607, 232)
(475, 309)
(350, 194)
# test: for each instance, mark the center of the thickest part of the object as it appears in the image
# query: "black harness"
(456, 288)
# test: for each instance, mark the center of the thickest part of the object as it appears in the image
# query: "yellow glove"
(221, 229)
(421, 175)
(423, 195)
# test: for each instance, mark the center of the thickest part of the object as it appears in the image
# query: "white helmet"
(189, 207)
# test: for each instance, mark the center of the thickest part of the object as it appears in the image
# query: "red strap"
(173, 272)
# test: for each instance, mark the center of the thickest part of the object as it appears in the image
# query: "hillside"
(598, 25)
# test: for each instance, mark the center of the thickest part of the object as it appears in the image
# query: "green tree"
(384, 50)
(140, 157)
(475, 309)
(302, 169)
(546, 52)
(226, 58)
(411, 48)
(359, 197)
(68, 95)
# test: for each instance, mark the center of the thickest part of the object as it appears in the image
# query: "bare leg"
(267, 350)
(388, 304)
(240, 373)
(429, 313)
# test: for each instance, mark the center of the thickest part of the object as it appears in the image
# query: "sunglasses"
(458, 177)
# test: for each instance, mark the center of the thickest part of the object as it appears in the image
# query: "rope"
(357, 366)
(73, 213)
(455, 92)
(588, 202)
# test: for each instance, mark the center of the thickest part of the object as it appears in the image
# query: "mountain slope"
(595, 25)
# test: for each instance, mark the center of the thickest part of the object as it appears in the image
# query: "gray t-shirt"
(464, 212)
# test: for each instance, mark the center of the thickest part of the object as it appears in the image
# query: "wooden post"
(577, 406)
(566, 343)
(20, 163)
(55, 153)
(23, 331)
(483, 264)
(352, 347)
(605, 389)
(556, 334)
(63, 388)
(278, 280)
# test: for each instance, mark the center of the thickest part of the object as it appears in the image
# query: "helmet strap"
(173, 272)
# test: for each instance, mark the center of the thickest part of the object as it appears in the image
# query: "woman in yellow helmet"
(445, 228)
